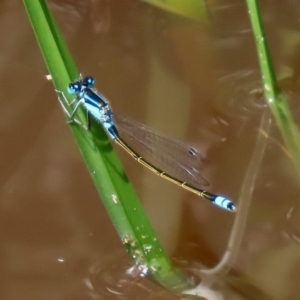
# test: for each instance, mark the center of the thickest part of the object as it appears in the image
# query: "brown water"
(198, 82)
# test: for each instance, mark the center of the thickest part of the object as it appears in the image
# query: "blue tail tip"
(225, 203)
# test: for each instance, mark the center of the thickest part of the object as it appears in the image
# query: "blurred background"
(195, 78)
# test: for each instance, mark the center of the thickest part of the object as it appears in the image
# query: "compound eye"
(88, 81)
(74, 87)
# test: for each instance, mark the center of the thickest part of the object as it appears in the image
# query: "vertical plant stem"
(274, 96)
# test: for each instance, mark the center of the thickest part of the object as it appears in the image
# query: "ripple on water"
(118, 278)
(241, 94)
(292, 230)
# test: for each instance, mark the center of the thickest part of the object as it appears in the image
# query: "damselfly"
(178, 162)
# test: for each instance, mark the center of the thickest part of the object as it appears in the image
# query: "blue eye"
(74, 88)
(89, 81)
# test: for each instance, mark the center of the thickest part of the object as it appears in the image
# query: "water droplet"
(147, 248)
(115, 199)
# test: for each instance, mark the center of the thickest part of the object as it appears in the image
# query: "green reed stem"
(117, 194)
(274, 96)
